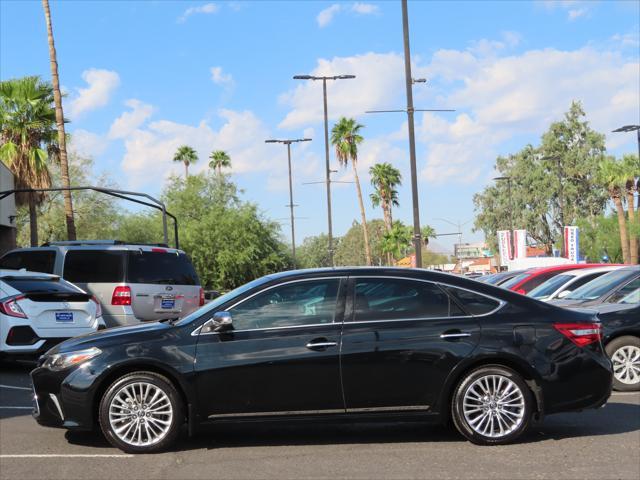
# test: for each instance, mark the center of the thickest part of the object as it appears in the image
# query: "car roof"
(66, 246)
(580, 272)
(6, 273)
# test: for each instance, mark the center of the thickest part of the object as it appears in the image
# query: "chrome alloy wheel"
(140, 414)
(626, 364)
(493, 406)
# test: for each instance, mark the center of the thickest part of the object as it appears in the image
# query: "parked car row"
(127, 283)
(612, 291)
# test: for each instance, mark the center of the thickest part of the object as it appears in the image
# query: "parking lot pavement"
(598, 444)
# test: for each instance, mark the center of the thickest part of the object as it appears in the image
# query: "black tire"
(611, 348)
(158, 381)
(466, 383)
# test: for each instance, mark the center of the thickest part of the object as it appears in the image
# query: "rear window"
(36, 285)
(161, 268)
(515, 280)
(34, 261)
(94, 266)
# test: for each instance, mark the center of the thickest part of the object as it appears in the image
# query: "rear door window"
(473, 303)
(94, 266)
(161, 268)
(32, 260)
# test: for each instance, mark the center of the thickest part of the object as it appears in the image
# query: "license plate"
(64, 317)
(167, 303)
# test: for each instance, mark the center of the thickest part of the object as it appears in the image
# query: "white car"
(38, 310)
(561, 285)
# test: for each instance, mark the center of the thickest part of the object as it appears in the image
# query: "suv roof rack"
(101, 242)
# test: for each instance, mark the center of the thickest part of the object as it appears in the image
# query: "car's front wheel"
(492, 405)
(625, 356)
(141, 412)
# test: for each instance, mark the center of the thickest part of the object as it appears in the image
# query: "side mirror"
(564, 293)
(222, 321)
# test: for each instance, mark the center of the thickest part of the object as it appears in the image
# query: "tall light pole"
(291, 204)
(631, 128)
(326, 147)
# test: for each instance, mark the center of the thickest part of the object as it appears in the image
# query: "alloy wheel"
(140, 414)
(626, 364)
(493, 406)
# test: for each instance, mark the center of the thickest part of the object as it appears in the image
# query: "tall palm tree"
(219, 159)
(187, 155)
(29, 139)
(384, 179)
(631, 169)
(345, 137)
(611, 175)
(62, 144)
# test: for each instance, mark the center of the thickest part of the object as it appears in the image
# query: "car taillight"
(121, 295)
(201, 296)
(520, 291)
(98, 306)
(582, 334)
(9, 306)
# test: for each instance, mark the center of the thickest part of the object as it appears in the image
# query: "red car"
(530, 279)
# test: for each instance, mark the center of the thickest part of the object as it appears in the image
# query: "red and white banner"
(504, 245)
(571, 243)
(520, 244)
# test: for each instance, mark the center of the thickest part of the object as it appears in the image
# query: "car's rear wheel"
(625, 356)
(141, 412)
(492, 405)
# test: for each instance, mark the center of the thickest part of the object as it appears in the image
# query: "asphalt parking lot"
(599, 444)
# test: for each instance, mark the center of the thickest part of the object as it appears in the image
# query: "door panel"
(282, 356)
(403, 362)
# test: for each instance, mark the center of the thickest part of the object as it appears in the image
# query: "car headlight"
(62, 361)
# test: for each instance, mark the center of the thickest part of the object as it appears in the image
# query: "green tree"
(62, 137)
(612, 175)
(385, 178)
(219, 159)
(428, 232)
(350, 249)
(314, 252)
(187, 155)
(29, 139)
(631, 172)
(600, 236)
(397, 241)
(345, 137)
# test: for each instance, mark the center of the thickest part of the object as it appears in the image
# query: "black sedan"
(349, 343)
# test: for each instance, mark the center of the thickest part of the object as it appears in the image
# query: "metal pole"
(328, 170)
(293, 228)
(417, 241)
(638, 133)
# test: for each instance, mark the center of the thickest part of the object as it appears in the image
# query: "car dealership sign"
(571, 243)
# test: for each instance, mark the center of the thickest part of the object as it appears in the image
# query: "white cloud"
(577, 13)
(207, 8)
(126, 123)
(364, 8)
(101, 85)
(378, 84)
(574, 8)
(219, 77)
(87, 144)
(325, 17)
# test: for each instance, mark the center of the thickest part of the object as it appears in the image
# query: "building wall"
(7, 211)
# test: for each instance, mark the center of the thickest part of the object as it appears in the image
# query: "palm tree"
(345, 137)
(219, 159)
(186, 155)
(29, 139)
(631, 169)
(62, 144)
(384, 179)
(612, 176)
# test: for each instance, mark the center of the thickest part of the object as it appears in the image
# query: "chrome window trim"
(196, 332)
(501, 303)
(397, 408)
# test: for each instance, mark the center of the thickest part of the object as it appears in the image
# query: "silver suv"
(133, 283)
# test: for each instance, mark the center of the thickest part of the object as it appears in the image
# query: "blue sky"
(145, 77)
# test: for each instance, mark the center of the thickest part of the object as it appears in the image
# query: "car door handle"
(320, 345)
(453, 335)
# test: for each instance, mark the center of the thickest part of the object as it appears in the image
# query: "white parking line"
(62, 455)
(625, 393)
(16, 408)
(15, 388)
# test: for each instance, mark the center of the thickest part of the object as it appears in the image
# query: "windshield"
(515, 280)
(550, 286)
(631, 298)
(221, 300)
(600, 286)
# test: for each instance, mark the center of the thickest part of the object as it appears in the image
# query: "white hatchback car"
(38, 310)
(561, 285)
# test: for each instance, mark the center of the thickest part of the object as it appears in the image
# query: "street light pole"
(417, 236)
(326, 148)
(291, 204)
